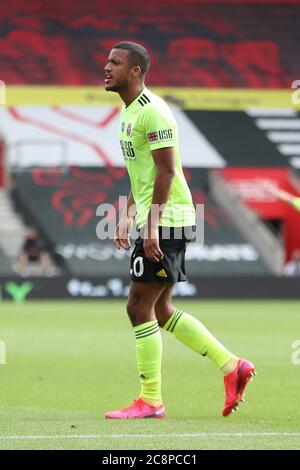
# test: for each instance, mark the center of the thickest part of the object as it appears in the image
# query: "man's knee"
(163, 312)
(138, 310)
(134, 304)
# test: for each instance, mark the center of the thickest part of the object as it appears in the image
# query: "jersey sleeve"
(296, 203)
(160, 127)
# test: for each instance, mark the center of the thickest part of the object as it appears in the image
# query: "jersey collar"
(136, 99)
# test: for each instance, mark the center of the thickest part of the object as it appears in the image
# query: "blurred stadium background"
(226, 67)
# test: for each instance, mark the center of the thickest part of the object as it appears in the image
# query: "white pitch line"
(146, 436)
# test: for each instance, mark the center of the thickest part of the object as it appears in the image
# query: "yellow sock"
(148, 355)
(193, 334)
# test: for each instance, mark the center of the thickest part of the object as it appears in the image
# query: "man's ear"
(136, 71)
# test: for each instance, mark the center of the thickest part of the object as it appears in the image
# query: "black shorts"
(171, 268)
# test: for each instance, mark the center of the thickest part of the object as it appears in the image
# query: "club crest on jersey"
(123, 126)
(128, 130)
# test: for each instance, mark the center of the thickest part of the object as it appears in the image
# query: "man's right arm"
(124, 226)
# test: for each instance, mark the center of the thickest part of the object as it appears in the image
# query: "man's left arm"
(164, 159)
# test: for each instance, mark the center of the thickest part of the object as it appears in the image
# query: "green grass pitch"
(69, 362)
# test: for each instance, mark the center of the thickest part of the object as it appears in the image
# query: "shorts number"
(138, 266)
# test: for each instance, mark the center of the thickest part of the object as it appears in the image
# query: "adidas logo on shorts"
(161, 273)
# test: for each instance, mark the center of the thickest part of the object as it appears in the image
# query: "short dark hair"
(138, 55)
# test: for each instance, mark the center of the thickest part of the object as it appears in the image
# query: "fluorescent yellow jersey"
(296, 203)
(148, 124)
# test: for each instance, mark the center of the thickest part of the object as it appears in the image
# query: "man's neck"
(128, 96)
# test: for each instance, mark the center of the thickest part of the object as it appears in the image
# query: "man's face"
(117, 70)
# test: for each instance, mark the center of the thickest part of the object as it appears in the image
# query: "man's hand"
(164, 160)
(123, 229)
(151, 245)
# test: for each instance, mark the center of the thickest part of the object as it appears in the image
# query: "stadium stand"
(241, 138)
(5, 266)
(237, 138)
(65, 214)
(209, 44)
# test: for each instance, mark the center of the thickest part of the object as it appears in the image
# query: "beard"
(117, 86)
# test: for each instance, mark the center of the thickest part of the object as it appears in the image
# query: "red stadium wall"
(192, 43)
